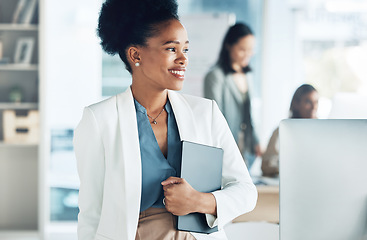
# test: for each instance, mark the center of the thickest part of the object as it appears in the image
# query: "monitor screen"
(323, 179)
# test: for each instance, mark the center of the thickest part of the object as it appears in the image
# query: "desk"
(267, 207)
(252, 230)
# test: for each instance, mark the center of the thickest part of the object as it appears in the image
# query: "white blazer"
(108, 156)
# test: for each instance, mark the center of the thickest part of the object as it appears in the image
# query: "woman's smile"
(178, 73)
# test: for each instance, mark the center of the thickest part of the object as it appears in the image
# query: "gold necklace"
(154, 119)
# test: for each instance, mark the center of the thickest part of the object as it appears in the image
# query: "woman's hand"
(182, 199)
(179, 196)
(258, 151)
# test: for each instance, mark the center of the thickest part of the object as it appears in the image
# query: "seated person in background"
(304, 105)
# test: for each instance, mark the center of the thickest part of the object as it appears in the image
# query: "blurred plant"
(15, 95)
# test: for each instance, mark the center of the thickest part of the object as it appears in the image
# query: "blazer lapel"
(131, 158)
(131, 150)
(184, 117)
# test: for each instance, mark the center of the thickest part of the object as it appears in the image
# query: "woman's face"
(308, 104)
(164, 59)
(241, 52)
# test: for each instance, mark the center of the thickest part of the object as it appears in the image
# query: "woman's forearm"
(206, 203)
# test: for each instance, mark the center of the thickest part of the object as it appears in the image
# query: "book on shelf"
(1, 49)
(24, 50)
(3, 60)
(24, 11)
(19, 8)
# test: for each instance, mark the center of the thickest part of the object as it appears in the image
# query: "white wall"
(72, 80)
(278, 66)
(72, 60)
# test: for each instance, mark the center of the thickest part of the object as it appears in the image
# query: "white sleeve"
(89, 153)
(238, 194)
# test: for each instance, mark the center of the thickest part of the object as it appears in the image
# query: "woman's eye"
(308, 102)
(186, 50)
(171, 49)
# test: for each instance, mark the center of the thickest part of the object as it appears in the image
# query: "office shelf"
(18, 27)
(23, 235)
(19, 67)
(19, 162)
(15, 145)
(18, 106)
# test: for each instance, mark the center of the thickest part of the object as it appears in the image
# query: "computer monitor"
(323, 179)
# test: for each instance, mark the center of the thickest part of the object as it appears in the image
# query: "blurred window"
(63, 178)
(332, 38)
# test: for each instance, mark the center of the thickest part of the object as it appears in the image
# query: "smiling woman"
(163, 61)
(128, 147)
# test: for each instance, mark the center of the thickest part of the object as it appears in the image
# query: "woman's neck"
(237, 68)
(151, 99)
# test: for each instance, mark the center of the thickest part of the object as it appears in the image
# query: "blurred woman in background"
(228, 84)
(304, 105)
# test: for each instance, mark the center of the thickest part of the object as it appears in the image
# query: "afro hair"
(123, 23)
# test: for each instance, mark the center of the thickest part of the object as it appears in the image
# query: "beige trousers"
(158, 224)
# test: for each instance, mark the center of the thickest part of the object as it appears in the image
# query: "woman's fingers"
(179, 196)
(172, 180)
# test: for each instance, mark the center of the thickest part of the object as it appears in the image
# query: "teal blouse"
(155, 166)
